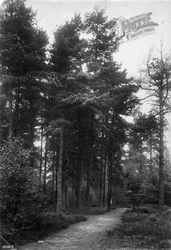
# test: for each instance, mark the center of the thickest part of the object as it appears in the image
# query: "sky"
(131, 54)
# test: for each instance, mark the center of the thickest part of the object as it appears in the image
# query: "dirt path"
(87, 235)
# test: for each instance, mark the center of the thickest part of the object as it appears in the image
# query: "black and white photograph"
(85, 124)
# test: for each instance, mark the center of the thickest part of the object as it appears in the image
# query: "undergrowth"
(46, 224)
(25, 228)
(145, 227)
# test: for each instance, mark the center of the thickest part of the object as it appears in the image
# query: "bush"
(19, 183)
(133, 217)
(60, 221)
(149, 227)
(44, 225)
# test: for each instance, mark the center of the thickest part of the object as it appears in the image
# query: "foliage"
(23, 45)
(66, 50)
(19, 182)
(23, 55)
(146, 227)
(45, 224)
(21, 198)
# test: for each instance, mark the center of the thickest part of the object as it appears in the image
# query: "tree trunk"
(105, 182)
(32, 127)
(105, 176)
(78, 181)
(101, 170)
(1, 111)
(16, 118)
(41, 155)
(10, 113)
(66, 194)
(45, 164)
(53, 176)
(79, 167)
(90, 163)
(151, 155)
(88, 181)
(59, 176)
(109, 183)
(141, 158)
(161, 153)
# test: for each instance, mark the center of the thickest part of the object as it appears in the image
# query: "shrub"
(150, 227)
(44, 224)
(133, 217)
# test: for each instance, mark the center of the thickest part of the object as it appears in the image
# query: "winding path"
(87, 235)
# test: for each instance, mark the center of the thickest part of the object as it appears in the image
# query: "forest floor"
(87, 235)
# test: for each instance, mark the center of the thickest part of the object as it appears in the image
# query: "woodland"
(65, 140)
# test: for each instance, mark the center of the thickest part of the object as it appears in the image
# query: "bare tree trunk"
(105, 176)
(88, 181)
(41, 155)
(66, 194)
(141, 158)
(151, 155)
(45, 164)
(53, 175)
(102, 170)
(161, 153)
(1, 111)
(59, 176)
(16, 118)
(10, 113)
(90, 164)
(32, 127)
(109, 182)
(79, 167)
(105, 182)
(78, 181)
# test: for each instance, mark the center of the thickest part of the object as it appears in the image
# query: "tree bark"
(90, 163)
(59, 175)
(45, 164)
(109, 182)
(105, 176)
(41, 155)
(79, 167)
(1, 111)
(10, 113)
(101, 170)
(161, 152)
(151, 155)
(53, 176)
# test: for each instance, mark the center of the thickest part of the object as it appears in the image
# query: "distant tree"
(157, 82)
(144, 137)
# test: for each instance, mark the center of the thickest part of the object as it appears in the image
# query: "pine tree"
(23, 55)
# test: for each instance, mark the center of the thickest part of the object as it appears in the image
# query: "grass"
(145, 228)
